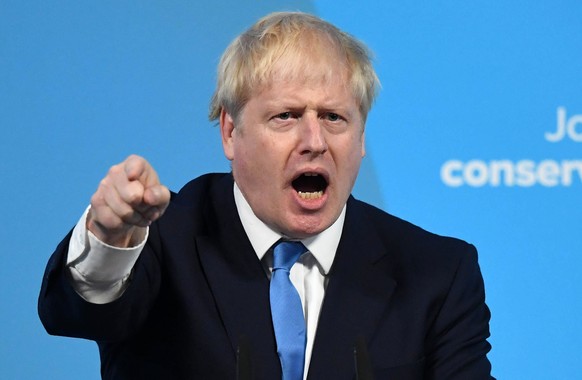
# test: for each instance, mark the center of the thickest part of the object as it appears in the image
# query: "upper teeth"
(310, 174)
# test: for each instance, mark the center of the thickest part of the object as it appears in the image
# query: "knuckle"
(133, 157)
(126, 215)
(113, 170)
(97, 199)
(104, 183)
(133, 194)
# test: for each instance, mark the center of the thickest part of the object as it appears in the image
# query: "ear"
(227, 134)
(363, 140)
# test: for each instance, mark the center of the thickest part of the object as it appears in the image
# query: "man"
(185, 285)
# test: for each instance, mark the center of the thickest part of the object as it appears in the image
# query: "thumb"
(157, 196)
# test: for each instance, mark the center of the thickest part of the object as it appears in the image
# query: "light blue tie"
(287, 312)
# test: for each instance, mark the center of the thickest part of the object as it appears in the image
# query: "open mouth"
(310, 185)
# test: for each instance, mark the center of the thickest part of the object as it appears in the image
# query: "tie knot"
(286, 254)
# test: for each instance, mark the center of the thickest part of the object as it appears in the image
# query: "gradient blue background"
(85, 83)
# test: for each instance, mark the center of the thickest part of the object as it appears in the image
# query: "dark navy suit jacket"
(417, 300)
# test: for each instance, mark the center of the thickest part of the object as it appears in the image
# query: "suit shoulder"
(410, 239)
(196, 192)
(195, 206)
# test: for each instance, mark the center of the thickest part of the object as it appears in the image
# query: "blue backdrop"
(477, 133)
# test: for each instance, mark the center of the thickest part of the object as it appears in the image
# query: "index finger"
(139, 169)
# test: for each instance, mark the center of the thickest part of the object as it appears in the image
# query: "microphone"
(243, 359)
(362, 360)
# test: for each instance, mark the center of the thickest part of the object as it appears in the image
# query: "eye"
(284, 116)
(332, 116)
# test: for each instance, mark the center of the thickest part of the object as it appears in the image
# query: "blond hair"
(303, 39)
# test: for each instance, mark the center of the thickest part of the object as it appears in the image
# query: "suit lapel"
(238, 282)
(356, 296)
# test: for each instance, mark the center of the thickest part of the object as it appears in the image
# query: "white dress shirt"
(100, 272)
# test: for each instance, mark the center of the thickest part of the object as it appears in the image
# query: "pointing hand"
(128, 199)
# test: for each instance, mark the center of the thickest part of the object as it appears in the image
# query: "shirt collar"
(322, 246)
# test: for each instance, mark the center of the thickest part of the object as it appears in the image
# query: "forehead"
(322, 90)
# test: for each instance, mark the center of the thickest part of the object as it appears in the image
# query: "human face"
(296, 149)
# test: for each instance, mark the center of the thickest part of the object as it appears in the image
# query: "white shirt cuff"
(100, 272)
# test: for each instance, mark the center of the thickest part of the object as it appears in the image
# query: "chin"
(307, 227)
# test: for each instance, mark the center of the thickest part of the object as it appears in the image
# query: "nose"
(313, 140)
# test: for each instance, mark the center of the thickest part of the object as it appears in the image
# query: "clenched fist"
(128, 200)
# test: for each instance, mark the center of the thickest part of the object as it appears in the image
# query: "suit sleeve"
(64, 312)
(458, 338)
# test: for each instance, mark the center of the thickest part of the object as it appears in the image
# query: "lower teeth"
(311, 195)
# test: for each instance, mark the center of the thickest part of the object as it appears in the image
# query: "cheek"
(349, 164)
(253, 160)
(242, 164)
(262, 157)
(353, 151)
